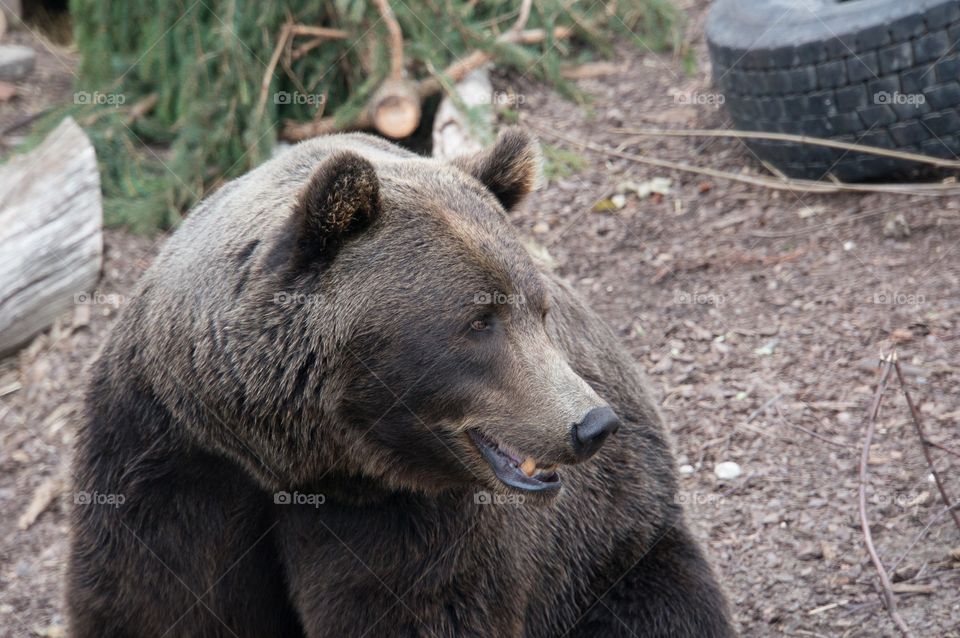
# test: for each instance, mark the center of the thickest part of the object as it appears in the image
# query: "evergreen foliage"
(205, 60)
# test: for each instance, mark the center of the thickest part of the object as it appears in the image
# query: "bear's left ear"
(341, 199)
(510, 169)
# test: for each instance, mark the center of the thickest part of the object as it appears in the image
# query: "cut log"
(454, 132)
(51, 237)
(395, 109)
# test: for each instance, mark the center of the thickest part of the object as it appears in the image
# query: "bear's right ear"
(510, 169)
(340, 200)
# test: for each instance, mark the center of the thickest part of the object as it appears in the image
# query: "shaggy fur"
(333, 323)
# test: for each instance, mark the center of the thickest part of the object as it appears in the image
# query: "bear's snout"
(591, 432)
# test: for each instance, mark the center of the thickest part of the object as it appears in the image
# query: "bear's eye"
(479, 325)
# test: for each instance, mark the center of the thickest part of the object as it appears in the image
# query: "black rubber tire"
(822, 68)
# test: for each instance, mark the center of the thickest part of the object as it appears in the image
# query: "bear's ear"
(340, 200)
(510, 169)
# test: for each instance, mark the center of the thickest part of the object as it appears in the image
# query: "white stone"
(727, 471)
(686, 469)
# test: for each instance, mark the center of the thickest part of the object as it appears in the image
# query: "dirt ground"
(759, 315)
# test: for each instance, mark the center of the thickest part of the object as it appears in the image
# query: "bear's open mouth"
(515, 470)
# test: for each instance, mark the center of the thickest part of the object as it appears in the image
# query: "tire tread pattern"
(832, 89)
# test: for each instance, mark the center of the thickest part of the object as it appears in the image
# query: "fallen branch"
(51, 239)
(775, 183)
(786, 137)
(889, 598)
(936, 517)
(817, 435)
(295, 131)
(141, 108)
(915, 415)
(320, 35)
(395, 106)
(287, 32)
(271, 67)
(319, 32)
(941, 446)
(812, 229)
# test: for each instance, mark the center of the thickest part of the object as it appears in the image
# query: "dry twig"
(775, 183)
(395, 44)
(814, 228)
(786, 137)
(319, 32)
(941, 446)
(889, 598)
(271, 67)
(917, 424)
(926, 528)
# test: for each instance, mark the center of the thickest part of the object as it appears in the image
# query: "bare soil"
(759, 315)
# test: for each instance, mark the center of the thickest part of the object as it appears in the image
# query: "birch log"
(51, 242)
(453, 132)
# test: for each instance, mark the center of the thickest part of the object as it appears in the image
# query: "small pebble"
(727, 471)
(686, 469)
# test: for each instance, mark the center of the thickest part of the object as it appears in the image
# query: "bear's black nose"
(589, 434)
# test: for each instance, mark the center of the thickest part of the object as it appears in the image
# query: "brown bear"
(345, 401)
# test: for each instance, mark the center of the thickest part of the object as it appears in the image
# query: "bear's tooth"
(529, 466)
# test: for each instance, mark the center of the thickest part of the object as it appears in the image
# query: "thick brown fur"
(312, 328)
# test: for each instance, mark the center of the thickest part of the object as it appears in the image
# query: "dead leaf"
(901, 335)
(42, 498)
(605, 206)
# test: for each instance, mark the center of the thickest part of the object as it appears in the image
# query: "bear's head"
(417, 352)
